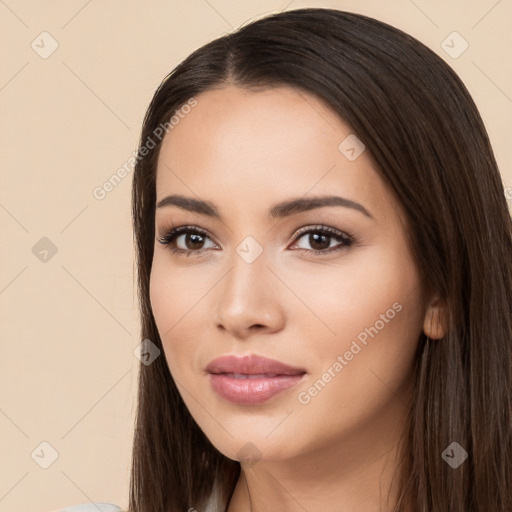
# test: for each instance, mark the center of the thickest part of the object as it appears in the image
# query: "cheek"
(166, 307)
(176, 301)
(172, 293)
(369, 312)
(163, 301)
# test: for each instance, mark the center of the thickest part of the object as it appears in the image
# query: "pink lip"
(251, 365)
(252, 390)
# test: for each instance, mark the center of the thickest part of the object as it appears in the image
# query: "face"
(329, 289)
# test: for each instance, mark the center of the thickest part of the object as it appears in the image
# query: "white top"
(91, 507)
(212, 506)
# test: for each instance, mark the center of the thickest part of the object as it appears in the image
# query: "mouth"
(251, 375)
(251, 365)
(251, 380)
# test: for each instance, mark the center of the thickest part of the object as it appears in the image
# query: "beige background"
(69, 325)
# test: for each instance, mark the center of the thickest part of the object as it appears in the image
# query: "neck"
(359, 474)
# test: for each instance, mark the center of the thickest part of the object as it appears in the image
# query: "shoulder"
(91, 507)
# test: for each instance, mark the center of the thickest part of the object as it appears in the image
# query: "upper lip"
(251, 365)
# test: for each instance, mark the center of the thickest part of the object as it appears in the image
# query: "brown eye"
(188, 240)
(320, 238)
(191, 239)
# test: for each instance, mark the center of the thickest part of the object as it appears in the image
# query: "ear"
(435, 324)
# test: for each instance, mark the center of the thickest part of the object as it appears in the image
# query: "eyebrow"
(279, 210)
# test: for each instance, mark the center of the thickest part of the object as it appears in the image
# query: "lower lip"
(252, 391)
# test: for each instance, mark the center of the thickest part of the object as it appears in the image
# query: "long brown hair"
(418, 121)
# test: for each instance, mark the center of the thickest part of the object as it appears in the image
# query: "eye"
(320, 238)
(193, 240)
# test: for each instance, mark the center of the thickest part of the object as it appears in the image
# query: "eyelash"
(171, 235)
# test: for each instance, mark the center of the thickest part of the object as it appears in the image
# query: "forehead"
(251, 148)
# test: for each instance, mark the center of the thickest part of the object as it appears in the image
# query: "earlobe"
(435, 323)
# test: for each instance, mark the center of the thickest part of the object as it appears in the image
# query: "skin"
(245, 151)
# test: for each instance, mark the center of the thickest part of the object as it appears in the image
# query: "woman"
(324, 260)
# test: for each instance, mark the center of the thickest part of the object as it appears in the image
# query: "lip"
(251, 365)
(241, 380)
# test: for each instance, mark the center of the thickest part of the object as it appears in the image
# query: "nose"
(249, 300)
